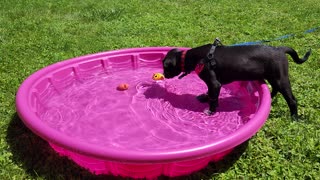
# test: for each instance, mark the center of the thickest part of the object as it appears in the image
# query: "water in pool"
(149, 115)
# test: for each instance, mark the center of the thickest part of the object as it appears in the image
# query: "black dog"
(217, 64)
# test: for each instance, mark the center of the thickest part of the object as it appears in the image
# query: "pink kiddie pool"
(153, 128)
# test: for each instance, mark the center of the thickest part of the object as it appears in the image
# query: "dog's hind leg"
(285, 90)
(275, 87)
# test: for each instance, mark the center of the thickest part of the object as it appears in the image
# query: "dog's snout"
(166, 75)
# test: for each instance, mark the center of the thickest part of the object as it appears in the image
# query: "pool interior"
(150, 115)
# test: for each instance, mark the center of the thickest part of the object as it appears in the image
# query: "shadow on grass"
(40, 160)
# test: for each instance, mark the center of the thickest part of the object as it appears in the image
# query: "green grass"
(36, 33)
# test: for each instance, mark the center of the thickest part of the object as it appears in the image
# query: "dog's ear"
(171, 57)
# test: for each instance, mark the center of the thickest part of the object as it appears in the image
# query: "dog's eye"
(166, 64)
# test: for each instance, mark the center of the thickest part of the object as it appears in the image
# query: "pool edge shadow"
(38, 159)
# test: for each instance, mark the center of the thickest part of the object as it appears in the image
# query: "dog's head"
(171, 63)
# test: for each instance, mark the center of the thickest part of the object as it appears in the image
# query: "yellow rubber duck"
(158, 76)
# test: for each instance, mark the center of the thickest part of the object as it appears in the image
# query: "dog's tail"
(295, 56)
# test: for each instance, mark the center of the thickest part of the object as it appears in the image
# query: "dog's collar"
(199, 67)
(183, 61)
(183, 64)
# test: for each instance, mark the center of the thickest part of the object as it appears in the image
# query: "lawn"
(37, 33)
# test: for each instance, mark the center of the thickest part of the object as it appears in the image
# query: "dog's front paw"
(295, 117)
(208, 112)
(203, 98)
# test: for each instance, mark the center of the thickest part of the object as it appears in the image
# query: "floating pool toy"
(158, 76)
(154, 130)
(122, 87)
